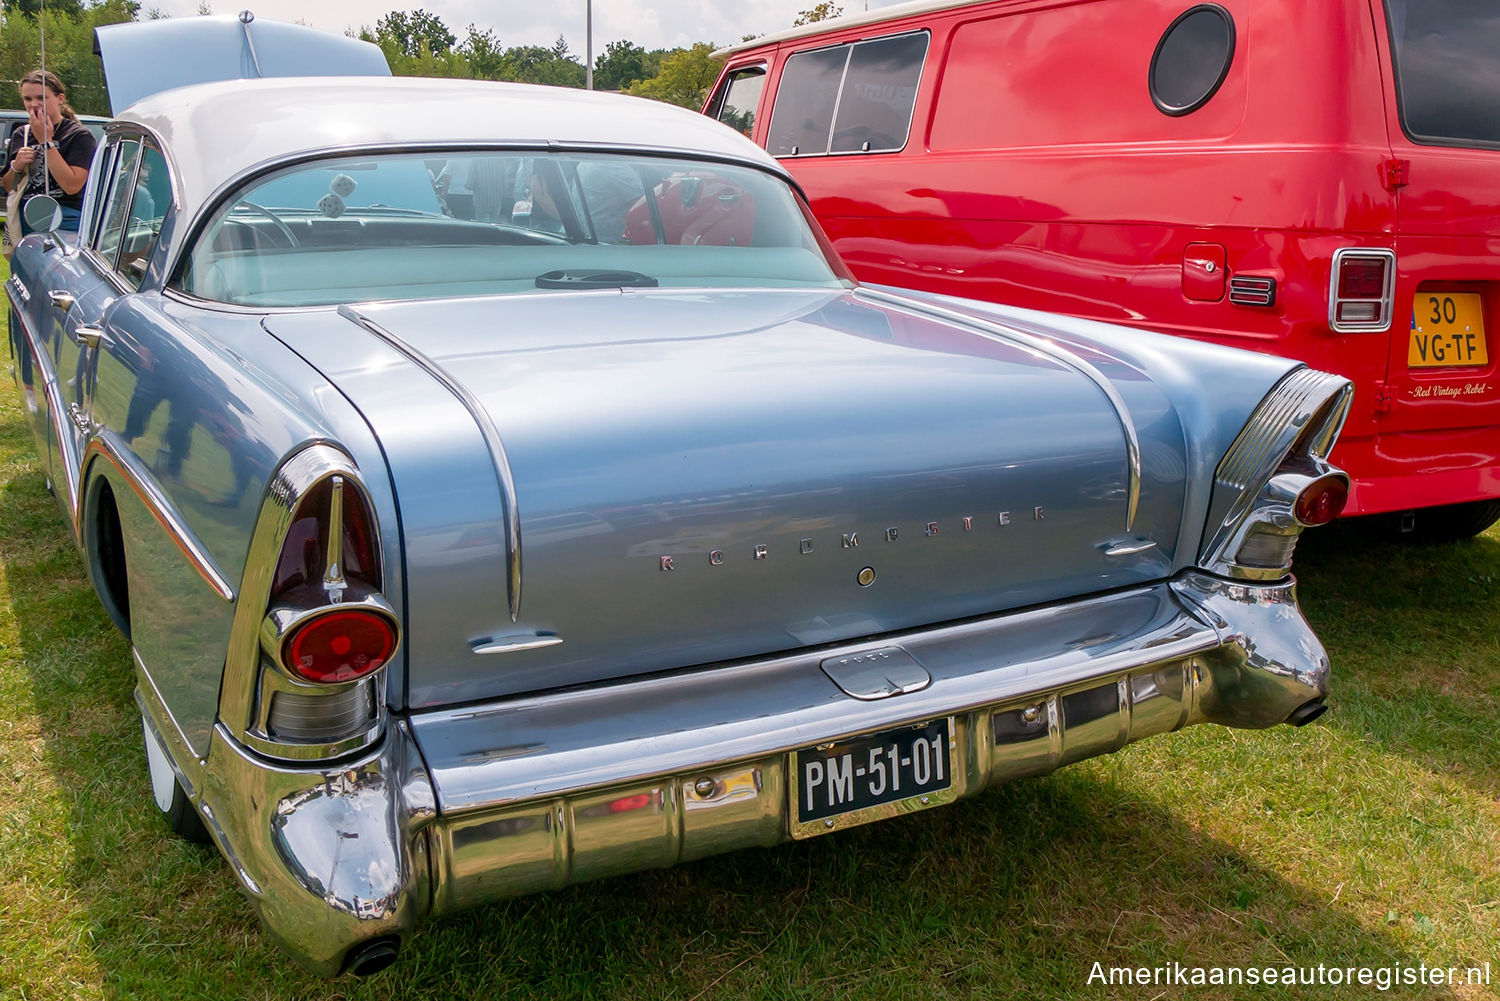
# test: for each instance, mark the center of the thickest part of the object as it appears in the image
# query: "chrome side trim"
(186, 764)
(55, 407)
(1054, 352)
(487, 429)
(108, 446)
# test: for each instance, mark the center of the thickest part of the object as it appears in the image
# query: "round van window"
(1192, 59)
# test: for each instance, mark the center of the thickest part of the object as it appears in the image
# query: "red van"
(1312, 179)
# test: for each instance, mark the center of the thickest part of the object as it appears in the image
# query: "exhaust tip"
(1307, 712)
(372, 957)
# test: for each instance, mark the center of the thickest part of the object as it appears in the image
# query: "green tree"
(29, 8)
(482, 50)
(817, 12)
(622, 64)
(536, 64)
(684, 77)
(70, 51)
(409, 31)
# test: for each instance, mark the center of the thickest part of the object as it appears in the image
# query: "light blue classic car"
(503, 487)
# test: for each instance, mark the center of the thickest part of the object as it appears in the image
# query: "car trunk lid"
(711, 476)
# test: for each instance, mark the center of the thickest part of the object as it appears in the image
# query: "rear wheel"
(1446, 522)
(171, 799)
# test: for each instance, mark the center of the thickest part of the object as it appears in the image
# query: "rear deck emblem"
(807, 546)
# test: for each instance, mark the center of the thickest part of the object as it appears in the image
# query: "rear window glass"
(1448, 69)
(405, 226)
(848, 99)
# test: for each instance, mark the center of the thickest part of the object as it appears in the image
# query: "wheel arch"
(102, 539)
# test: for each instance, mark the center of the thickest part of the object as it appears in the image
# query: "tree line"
(415, 43)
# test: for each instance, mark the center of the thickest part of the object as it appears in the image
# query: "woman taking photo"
(50, 154)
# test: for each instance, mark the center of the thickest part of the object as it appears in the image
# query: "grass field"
(1370, 838)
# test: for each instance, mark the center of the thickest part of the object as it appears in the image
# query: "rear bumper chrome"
(463, 806)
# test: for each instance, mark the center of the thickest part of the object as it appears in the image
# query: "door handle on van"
(61, 300)
(88, 335)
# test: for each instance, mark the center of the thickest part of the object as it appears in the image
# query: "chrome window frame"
(105, 264)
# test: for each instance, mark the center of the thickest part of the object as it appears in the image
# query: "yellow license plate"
(1447, 331)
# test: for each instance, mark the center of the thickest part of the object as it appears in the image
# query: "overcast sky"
(654, 24)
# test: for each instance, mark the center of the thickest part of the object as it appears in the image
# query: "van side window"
(1192, 59)
(848, 98)
(736, 101)
(805, 99)
(1447, 71)
(880, 88)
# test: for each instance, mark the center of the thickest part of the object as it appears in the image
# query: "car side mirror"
(42, 214)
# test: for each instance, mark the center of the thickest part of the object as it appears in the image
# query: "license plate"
(880, 775)
(1447, 331)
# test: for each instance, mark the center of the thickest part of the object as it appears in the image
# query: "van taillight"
(339, 646)
(1361, 278)
(1361, 292)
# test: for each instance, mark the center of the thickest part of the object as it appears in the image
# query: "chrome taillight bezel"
(1281, 452)
(1386, 301)
(254, 675)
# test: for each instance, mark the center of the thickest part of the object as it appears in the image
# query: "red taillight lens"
(339, 646)
(1322, 500)
(306, 543)
(1362, 277)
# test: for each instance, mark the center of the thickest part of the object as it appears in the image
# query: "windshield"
(409, 226)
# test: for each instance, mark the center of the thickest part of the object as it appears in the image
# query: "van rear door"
(1442, 92)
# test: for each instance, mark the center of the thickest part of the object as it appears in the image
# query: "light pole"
(588, 45)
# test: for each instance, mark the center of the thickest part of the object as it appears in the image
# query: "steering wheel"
(282, 227)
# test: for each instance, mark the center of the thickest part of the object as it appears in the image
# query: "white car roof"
(879, 15)
(215, 132)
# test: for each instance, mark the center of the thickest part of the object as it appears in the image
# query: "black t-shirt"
(76, 144)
